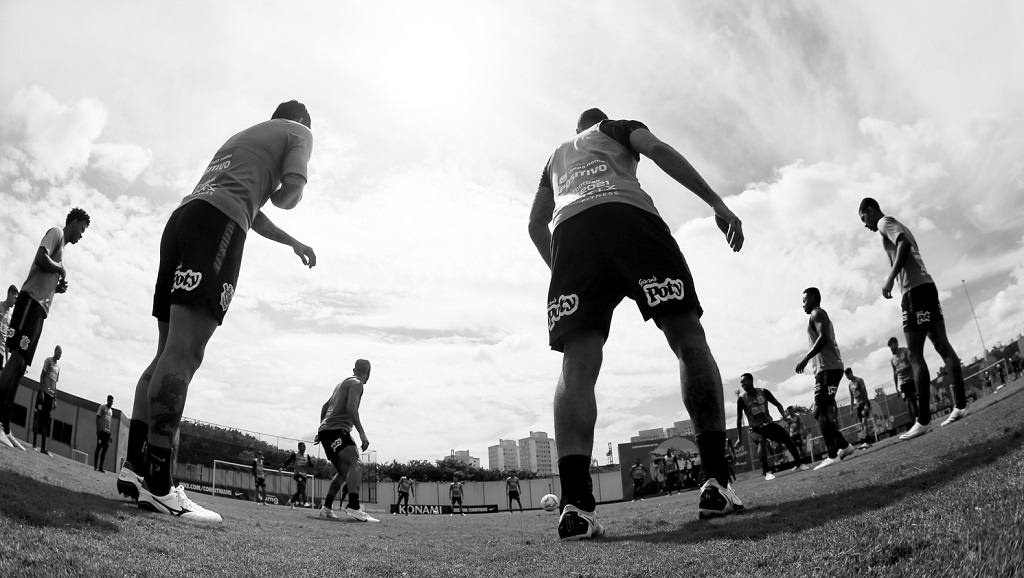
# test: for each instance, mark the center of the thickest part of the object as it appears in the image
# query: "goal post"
(237, 480)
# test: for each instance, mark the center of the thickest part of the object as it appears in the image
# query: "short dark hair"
(77, 214)
(868, 203)
(893, 340)
(362, 364)
(12, 289)
(849, 370)
(293, 110)
(813, 293)
(590, 117)
(747, 375)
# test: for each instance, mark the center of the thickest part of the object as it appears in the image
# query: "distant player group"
(603, 240)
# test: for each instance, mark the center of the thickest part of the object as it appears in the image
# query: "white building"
(537, 453)
(504, 456)
(649, 435)
(680, 428)
(464, 457)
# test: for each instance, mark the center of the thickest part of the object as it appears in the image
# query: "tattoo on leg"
(169, 403)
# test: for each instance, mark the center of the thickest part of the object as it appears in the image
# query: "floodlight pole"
(976, 324)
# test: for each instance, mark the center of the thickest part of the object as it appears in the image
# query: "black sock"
(577, 485)
(353, 501)
(711, 446)
(138, 435)
(328, 501)
(158, 477)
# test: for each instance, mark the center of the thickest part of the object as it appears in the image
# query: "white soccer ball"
(549, 503)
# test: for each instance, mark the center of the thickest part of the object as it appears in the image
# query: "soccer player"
(637, 472)
(903, 376)
(5, 321)
(512, 490)
(46, 399)
(455, 495)
(200, 257)
(103, 415)
(828, 372)
(754, 403)
(609, 242)
(337, 418)
(298, 475)
(860, 405)
(259, 478)
(405, 486)
(46, 277)
(922, 313)
(795, 425)
(672, 471)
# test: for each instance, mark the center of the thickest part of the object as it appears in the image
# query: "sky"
(432, 123)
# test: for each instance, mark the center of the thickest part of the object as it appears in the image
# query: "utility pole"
(984, 351)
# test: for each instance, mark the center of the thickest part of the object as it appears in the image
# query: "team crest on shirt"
(25, 342)
(187, 279)
(660, 292)
(563, 306)
(226, 295)
(205, 188)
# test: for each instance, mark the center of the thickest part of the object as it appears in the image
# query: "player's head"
(110, 401)
(589, 118)
(455, 478)
(293, 110)
(790, 410)
(56, 352)
(849, 372)
(870, 213)
(302, 446)
(747, 382)
(362, 370)
(811, 299)
(75, 225)
(894, 344)
(259, 454)
(12, 295)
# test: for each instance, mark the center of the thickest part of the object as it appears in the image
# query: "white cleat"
(845, 453)
(15, 442)
(769, 477)
(827, 462)
(5, 441)
(177, 504)
(917, 430)
(328, 513)
(360, 515)
(955, 415)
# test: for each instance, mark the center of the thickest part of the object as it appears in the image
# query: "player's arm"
(676, 166)
(254, 468)
(540, 216)
(770, 398)
(45, 264)
(740, 408)
(287, 462)
(263, 226)
(355, 392)
(290, 192)
(820, 321)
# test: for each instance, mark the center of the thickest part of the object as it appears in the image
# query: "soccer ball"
(549, 503)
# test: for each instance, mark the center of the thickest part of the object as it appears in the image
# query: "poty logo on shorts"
(25, 342)
(336, 444)
(561, 307)
(226, 295)
(187, 279)
(661, 292)
(924, 317)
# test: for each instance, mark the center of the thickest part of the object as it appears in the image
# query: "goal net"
(237, 480)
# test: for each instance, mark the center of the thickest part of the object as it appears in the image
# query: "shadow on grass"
(799, 515)
(30, 502)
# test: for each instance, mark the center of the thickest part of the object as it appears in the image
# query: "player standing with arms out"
(200, 257)
(46, 277)
(298, 474)
(259, 479)
(922, 313)
(512, 491)
(828, 373)
(860, 406)
(754, 403)
(103, 415)
(405, 486)
(903, 376)
(609, 242)
(339, 415)
(455, 495)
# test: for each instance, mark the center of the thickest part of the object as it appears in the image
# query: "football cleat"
(769, 477)
(328, 513)
(955, 415)
(917, 430)
(128, 482)
(5, 441)
(845, 453)
(827, 462)
(717, 501)
(177, 504)
(360, 515)
(15, 442)
(576, 524)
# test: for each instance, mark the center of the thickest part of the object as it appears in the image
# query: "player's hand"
(887, 290)
(316, 439)
(305, 252)
(62, 284)
(365, 444)
(731, 225)
(800, 367)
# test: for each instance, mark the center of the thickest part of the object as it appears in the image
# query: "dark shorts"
(261, 482)
(459, 500)
(335, 440)
(200, 256)
(46, 405)
(513, 495)
(103, 439)
(638, 482)
(863, 410)
(908, 389)
(403, 496)
(921, 309)
(25, 328)
(608, 252)
(826, 384)
(43, 421)
(771, 431)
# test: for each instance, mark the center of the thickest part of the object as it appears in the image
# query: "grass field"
(948, 504)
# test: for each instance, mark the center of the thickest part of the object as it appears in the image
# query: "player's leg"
(762, 455)
(954, 370)
(10, 377)
(520, 502)
(922, 381)
(778, 434)
(575, 406)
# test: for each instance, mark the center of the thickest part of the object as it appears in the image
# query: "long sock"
(577, 485)
(711, 445)
(329, 501)
(138, 435)
(158, 477)
(353, 501)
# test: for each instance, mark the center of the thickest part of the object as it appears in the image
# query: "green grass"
(948, 504)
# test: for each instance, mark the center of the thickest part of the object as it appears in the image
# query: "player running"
(200, 257)
(860, 406)
(455, 495)
(922, 313)
(512, 490)
(828, 372)
(754, 403)
(609, 242)
(46, 277)
(405, 486)
(301, 461)
(339, 415)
